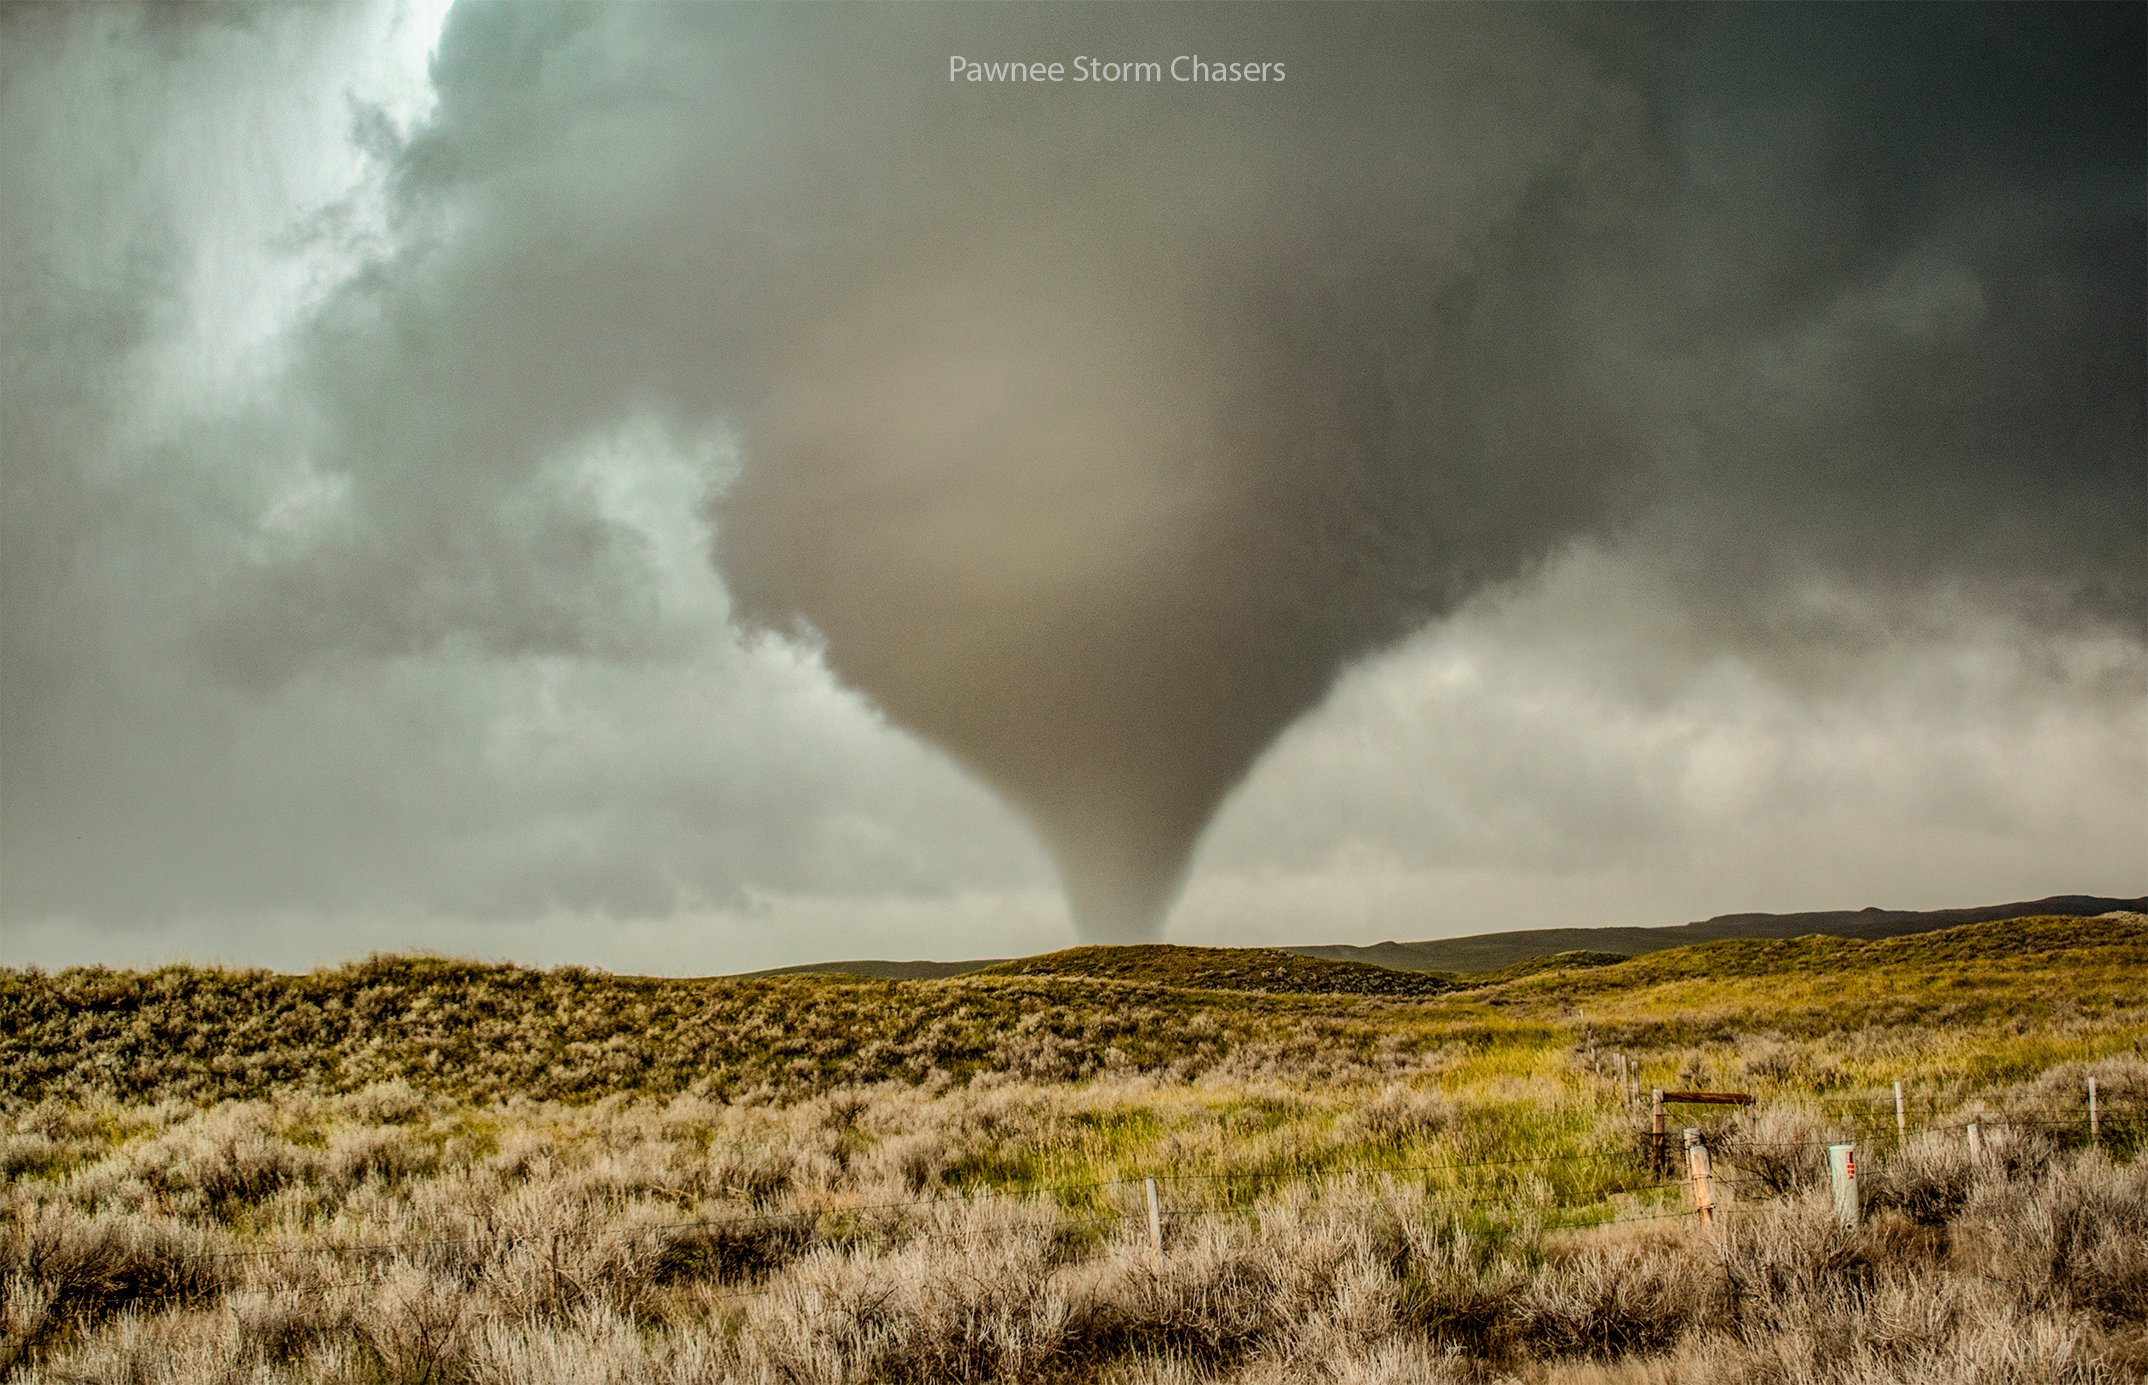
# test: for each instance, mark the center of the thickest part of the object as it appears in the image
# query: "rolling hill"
(1485, 952)
(486, 1032)
(873, 970)
(1262, 969)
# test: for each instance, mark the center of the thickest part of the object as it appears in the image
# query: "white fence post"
(1842, 1173)
(1155, 1224)
(2095, 1126)
(1901, 1117)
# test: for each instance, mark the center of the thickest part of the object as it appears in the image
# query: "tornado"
(1096, 434)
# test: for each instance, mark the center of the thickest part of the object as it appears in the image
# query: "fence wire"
(1037, 1197)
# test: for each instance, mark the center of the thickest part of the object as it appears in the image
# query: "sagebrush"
(933, 1181)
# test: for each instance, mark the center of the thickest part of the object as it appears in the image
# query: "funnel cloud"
(1117, 428)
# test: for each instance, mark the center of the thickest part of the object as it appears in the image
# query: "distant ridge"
(1483, 952)
(1488, 952)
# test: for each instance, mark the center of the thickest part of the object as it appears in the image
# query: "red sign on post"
(1842, 1173)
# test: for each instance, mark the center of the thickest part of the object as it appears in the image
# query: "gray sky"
(689, 488)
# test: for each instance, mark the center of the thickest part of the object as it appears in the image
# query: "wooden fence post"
(1155, 1225)
(1901, 1117)
(1976, 1143)
(1842, 1174)
(1655, 1134)
(1701, 1173)
(2095, 1126)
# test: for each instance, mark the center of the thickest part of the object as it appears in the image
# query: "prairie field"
(423, 1170)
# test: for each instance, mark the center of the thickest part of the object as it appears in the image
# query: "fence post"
(1976, 1143)
(1155, 1225)
(1655, 1134)
(1702, 1175)
(2095, 1126)
(1633, 1078)
(1842, 1174)
(1901, 1118)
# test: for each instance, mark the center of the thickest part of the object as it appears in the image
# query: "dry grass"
(1355, 1189)
(388, 1236)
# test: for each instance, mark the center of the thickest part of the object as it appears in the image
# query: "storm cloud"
(653, 398)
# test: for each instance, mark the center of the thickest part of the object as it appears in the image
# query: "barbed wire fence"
(2098, 1122)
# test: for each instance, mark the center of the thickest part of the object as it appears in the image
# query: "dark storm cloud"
(1092, 433)
(351, 639)
(1905, 272)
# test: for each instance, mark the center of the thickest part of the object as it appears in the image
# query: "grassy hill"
(1223, 969)
(489, 1032)
(1488, 952)
(1961, 990)
(1577, 960)
(875, 970)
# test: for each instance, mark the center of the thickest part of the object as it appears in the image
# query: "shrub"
(387, 1154)
(2077, 1238)
(1400, 1115)
(65, 1267)
(1782, 1149)
(1929, 1180)
(1634, 1299)
(416, 1326)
